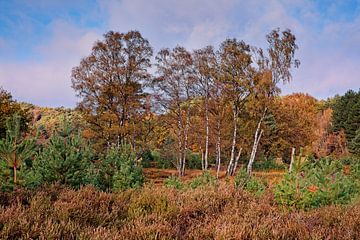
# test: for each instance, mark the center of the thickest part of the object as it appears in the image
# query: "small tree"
(119, 170)
(66, 159)
(14, 148)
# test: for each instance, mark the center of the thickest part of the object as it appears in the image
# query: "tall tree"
(206, 68)
(174, 88)
(236, 74)
(110, 82)
(272, 68)
(346, 115)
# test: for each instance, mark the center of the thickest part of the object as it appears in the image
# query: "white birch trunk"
(257, 138)
(237, 161)
(218, 149)
(253, 153)
(292, 159)
(231, 162)
(207, 133)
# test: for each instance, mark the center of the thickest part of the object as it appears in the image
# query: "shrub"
(205, 179)
(173, 182)
(146, 159)
(268, 164)
(249, 183)
(316, 184)
(119, 170)
(66, 159)
(193, 160)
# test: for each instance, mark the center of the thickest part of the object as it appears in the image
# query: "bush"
(248, 183)
(147, 159)
(193, 160)
(119, 170)
(268, 164)
(163, 161)
(173, 182)
(316, 184)
(205, 179)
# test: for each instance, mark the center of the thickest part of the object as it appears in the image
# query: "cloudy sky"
(41, 40)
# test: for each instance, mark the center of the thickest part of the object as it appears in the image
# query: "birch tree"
(173, 90)
(205, 69)
(110, 83)
(272, 68)
(235, 66)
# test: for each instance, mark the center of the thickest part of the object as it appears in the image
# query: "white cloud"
(47, 82)
(329, 50)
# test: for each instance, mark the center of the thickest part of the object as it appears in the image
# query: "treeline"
(207, 108)
(219, 103)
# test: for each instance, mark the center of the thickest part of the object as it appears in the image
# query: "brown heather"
(159, 213)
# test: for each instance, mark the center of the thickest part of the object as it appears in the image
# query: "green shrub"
(173, 182)
(248, 183)
(268, 164)
(119, 170)
(163, 161)
(66, 159)
(205, 179)
(147, 159)
(193, 160)
(316, 184)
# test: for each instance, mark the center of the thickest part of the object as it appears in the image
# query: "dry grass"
(160, 213)
(157, 176)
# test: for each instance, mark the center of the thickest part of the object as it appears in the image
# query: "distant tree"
(355, 143)
(346, 115)
(111, 82)
(9, 108)
(296, 123)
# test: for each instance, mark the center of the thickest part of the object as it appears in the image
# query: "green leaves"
(66, 159)
(14, 150)
(317, 184)
(119, 170)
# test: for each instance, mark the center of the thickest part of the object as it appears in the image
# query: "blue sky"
(41, 40)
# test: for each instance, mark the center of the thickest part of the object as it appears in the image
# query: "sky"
(42, 40)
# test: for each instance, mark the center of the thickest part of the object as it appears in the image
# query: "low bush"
(268, 164)
(56, 212)
(249, 183)
(205, 179)
(173, 182)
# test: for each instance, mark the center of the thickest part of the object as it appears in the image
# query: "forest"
(182, 144)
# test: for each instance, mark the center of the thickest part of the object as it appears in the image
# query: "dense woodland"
(216, 111)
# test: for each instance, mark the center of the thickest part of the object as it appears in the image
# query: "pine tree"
(14, 149)
(66, 159)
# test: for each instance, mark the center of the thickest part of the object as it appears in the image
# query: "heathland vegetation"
(187, 145)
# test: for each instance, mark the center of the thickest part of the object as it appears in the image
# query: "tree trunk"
(236, 161)
(292, 159)
(180, 153)
(14, 167)
(202, 160)
(256, 143)
(253, 153)
(186, 133)
(231, 162)
(207, 133)
(218, 149)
